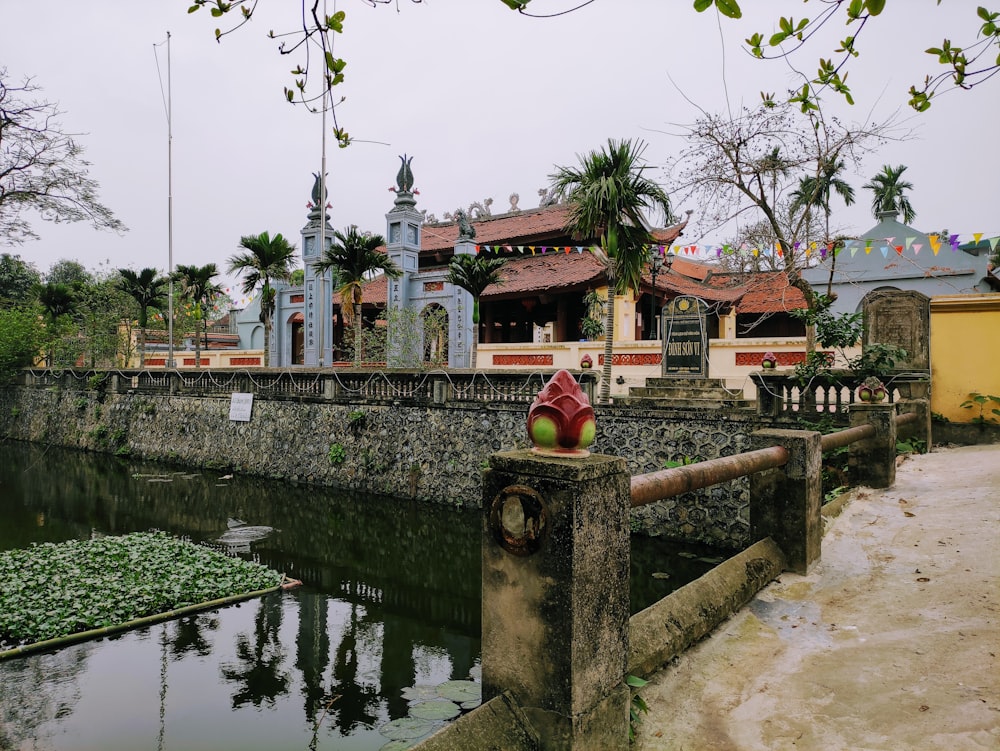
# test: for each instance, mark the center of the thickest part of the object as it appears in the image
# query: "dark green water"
(391, 599)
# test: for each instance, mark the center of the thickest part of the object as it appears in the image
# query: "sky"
(487, 102)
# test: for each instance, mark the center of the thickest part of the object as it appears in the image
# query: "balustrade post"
(872, 462)
(785, 503)
(555, 595)
(329, 388)
(921, 429)
(769, 394)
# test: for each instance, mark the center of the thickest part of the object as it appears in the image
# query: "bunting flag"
(824, 250)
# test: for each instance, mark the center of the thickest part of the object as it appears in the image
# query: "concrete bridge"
(890, 642)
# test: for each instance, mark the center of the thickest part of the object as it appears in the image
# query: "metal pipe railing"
(666, 483)
(846, 437)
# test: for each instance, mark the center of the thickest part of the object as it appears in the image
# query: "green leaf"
(729, 8)
(699, 5)
(635, 681)
(875, 6)
(777, 38)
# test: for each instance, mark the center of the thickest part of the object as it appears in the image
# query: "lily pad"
(459, 691)
(397, 746)
(467, 705)
(435, 710)
(416, 694)
(407, 728)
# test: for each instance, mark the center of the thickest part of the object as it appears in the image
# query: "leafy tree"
(608, 193)
(474, 274)
(18, 281)
(148, 291)
(104, 314)
(890, 193)
(21, 337)
(354, 257)
(42, 168)
(196, 286)
(70, 273)
(266, 258)
(58, 304)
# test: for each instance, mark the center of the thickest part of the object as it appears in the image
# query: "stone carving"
(514, 198)
(428, 218)
(547, 197)
(317, 199)
(465, 229)
(404, 178)
(479, 210)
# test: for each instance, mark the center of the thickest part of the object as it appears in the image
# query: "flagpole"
(170, 217)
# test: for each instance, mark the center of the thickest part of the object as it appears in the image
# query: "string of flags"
(883, 245)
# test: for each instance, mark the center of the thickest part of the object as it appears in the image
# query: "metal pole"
(321, 307)
(170, 217)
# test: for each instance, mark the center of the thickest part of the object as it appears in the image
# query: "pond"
(391, 599)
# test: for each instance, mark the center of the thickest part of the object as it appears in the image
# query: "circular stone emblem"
(519, 520)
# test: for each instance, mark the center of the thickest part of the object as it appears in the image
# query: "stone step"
(707, 383)
(680, 392)
(708, 403)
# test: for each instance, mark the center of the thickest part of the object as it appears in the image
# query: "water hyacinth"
(55, 589)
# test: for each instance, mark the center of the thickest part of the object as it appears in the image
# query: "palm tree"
(57, 301)
(474, 274)
(147, 289)
(890, 192)
(354, 258)
(608, 192)
(266, 258)
(816, 190)
(198, 287)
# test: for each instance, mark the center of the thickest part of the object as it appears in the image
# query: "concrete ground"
(890, 642)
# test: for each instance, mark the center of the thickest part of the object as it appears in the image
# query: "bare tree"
(42, 168)
(729, 168)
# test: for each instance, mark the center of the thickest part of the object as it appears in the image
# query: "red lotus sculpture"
(561, 420)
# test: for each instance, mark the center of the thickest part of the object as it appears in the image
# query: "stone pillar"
(872, 462)
(555, 594)
(785, 503)
(921, 429)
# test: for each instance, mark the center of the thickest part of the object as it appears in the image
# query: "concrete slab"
(890, 643)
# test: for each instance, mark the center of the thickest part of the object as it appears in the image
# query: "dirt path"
(891, 642)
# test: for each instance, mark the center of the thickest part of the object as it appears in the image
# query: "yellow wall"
(965, 352)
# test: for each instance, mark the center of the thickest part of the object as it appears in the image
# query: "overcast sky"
(486, 101)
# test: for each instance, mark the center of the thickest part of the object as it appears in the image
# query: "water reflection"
(320, 667)
(391, 600)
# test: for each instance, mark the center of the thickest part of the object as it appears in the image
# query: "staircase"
(684, 393)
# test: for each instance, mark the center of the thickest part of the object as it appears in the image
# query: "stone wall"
(427, 452)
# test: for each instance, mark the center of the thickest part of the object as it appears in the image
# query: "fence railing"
(556, 560)
(783, 396)
(338, 386)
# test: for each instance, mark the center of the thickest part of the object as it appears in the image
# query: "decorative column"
(555, 578)
(317, 288)
(403, 225)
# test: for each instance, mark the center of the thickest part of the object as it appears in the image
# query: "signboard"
(685, 338)
(240, 407)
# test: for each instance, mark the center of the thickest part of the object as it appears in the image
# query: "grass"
(56, 589)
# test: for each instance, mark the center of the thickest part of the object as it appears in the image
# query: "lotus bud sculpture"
(561, 421)
(871, 390)
(586, 362)
(769, 361)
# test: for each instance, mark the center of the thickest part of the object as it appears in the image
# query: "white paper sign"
(240, 407)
